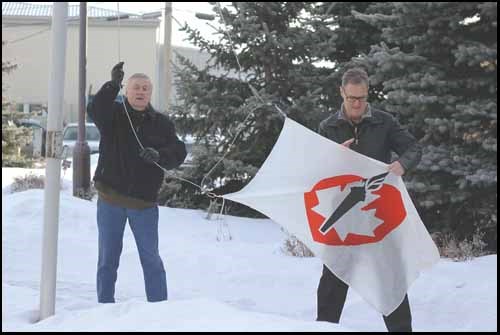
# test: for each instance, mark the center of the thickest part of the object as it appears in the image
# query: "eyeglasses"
(353, 99)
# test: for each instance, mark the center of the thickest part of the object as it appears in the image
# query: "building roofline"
(22, 13)
(45, 10)
(18, 21)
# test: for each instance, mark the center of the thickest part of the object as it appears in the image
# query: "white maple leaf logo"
(355, 220)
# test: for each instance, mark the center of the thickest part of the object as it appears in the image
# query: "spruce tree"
(280, 47)
(437, 65)
(13, 137)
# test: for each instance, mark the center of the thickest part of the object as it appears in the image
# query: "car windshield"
(91, 134)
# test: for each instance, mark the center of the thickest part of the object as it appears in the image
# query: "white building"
(27, 30)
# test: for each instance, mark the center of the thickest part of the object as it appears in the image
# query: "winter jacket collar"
(343, 116)
(368, 116)
(140, 116)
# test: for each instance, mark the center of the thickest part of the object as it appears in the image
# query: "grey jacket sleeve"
(321, 128)
(405, 145)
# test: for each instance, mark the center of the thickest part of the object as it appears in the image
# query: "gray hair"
(355, 76)
(139, 76)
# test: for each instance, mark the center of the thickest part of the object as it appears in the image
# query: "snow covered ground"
(245, 283)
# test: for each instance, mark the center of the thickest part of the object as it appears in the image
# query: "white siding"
(29, 82)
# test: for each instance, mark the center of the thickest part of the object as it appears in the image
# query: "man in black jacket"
(128, 177)
(376, 134)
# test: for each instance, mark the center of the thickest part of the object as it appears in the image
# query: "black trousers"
(332, 293)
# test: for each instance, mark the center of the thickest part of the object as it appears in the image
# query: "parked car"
(92, 136)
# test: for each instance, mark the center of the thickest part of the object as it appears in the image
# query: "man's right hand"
(117, 74)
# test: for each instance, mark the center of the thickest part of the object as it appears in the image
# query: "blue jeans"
(111, 221)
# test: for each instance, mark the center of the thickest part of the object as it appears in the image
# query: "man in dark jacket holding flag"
(375, 134)
(128, 177)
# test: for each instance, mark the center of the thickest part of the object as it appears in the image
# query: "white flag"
(352, 214)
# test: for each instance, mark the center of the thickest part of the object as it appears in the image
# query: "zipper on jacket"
(356, 139)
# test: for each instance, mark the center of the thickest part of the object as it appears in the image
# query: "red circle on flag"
(389, 208)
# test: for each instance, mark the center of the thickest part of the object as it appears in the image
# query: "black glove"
(117, 74)
(150, 155)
